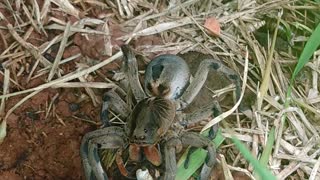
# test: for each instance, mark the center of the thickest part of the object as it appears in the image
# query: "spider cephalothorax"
(150, 120)
(151, 127)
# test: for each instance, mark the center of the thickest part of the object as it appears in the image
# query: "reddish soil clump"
(37, 147)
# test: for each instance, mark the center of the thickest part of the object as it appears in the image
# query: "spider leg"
(113, 100)
(213, 110)
(170, 149)
(198, 141)
(106, 138)
(104, 111)
(200, 78)
(131, 72)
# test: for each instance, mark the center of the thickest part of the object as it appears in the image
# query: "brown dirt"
(39, 148)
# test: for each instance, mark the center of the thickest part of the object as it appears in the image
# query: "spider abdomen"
(166, 76)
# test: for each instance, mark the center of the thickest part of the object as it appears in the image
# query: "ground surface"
(39, 148)
(47, 148)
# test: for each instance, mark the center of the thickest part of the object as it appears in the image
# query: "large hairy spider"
(156, 123)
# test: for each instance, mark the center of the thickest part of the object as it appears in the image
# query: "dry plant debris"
(56, 54)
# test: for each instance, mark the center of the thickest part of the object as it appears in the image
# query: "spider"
(156, 124)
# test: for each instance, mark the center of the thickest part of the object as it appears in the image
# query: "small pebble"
(73, 107)
(143, 174)
(32, 115)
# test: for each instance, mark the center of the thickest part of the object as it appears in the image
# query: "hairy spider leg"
(113, 101)
(191, 139)
(104, 114)
(213, 110)
(106, 138)
(131, 72)
(200, 78)
(170, 150)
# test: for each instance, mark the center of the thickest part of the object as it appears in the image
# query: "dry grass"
(296, 152)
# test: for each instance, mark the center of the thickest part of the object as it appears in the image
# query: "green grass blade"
(267, 150)
(310, 47)
(261, 171)
(196, 160)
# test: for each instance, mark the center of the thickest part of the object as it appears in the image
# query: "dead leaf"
(213, 26)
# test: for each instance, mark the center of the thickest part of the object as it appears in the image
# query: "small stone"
(74, 107)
